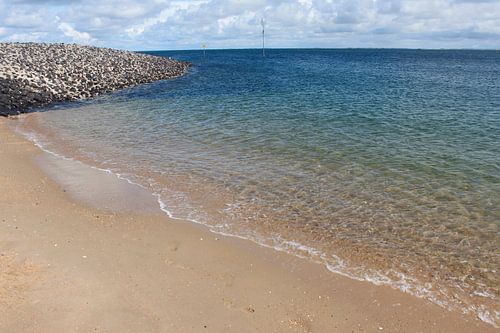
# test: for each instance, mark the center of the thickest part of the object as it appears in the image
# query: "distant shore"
(36, 74)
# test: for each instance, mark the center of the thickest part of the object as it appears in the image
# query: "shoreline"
(233, 284)
(50, 142)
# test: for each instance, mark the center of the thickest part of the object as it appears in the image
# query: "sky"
(187, 24)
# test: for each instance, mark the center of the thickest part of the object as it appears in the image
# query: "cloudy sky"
(186, 24)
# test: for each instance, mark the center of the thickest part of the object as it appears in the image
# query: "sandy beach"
(82, 251)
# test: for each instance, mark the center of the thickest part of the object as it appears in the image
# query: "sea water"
(382, 164)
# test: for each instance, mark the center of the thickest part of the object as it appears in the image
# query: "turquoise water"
(382, 164)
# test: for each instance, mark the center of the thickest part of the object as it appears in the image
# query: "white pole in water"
(263, 23)
(203, 46)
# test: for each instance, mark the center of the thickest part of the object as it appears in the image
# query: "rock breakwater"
(37, 74)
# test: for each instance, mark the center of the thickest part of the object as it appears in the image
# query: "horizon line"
(324, 48)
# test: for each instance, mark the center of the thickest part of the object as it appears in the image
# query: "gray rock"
(38, 74)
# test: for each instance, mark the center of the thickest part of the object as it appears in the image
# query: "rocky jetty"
(34, 74)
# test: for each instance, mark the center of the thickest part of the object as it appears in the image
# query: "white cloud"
(154, 24)
(21, 37)
(77, 36)
(174, 8)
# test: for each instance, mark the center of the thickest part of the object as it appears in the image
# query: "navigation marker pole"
(263, 23)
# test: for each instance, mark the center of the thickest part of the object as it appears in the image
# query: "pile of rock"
(34, 74)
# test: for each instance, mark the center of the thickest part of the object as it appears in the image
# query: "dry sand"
(69, 266)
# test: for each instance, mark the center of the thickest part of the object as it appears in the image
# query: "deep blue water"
(384, 164)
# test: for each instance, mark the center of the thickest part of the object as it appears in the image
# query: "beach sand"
(82, 251)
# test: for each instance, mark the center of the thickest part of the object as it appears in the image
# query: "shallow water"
(382, 164)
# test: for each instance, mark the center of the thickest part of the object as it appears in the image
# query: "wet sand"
(69, 265)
